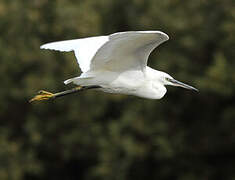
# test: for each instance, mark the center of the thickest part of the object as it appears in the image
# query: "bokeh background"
(93, 135)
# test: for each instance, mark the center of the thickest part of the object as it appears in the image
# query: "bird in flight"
(116, 63)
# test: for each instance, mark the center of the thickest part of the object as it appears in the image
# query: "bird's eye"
(168, 79)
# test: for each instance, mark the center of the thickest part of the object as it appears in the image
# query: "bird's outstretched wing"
(127, 50)
(84, 49)
(116, 52)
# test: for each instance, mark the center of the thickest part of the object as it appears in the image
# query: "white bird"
(116, 63)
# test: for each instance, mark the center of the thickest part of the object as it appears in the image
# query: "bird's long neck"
(153, 73)
(157, 85)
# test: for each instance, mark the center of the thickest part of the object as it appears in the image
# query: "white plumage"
(118, 63)
(84, 49)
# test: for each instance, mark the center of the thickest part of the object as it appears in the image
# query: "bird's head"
(166, 79)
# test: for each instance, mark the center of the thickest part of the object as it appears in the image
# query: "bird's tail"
(78, 80)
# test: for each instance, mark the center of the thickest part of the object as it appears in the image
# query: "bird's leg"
(44, 95)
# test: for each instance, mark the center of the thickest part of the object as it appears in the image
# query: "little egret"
(116, 63)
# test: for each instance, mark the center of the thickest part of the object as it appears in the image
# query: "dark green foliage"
(93, 135)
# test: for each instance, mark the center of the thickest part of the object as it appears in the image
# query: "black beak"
(178, 83)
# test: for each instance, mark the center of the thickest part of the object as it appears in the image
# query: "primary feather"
(84, 49)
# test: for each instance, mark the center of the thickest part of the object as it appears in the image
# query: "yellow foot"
(42, 95)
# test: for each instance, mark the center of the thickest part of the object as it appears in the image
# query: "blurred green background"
(93, 135)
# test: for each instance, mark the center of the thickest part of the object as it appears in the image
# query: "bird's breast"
(151, 91)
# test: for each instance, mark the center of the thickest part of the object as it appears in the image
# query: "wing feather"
(84, 49)
(116, 52)
(127, 50)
